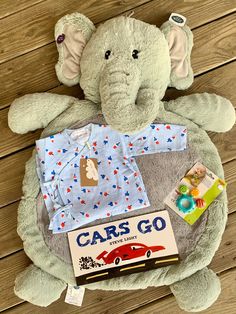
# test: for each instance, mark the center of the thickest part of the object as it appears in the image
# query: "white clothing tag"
(80, 136)
(177, 19)
(75, 295)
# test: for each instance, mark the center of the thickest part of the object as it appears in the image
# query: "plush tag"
(177, 19)
(88, 172)
(74, 295)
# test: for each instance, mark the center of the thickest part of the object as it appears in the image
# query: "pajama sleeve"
(157, 138)
(50, 153)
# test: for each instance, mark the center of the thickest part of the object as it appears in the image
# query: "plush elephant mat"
(160, 174)
(197, 244)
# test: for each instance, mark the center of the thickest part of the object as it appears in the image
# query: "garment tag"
(75, 295)
(88, 172)
(80, 136)
(177, 19)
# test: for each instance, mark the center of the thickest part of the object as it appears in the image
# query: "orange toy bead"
(194, 192)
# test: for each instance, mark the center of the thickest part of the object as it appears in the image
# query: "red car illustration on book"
(128, 251)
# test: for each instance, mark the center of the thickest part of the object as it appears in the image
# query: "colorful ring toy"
(185, 203)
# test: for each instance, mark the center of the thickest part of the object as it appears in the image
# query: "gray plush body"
(124, 68)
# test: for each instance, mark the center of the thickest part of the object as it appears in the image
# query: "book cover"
(122, 247)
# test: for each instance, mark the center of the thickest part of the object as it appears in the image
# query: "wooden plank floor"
(27, 65)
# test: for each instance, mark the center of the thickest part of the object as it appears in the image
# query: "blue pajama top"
(119, 186)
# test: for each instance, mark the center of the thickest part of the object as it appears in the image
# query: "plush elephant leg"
(197, 292)
(38, 287)
(211, 112)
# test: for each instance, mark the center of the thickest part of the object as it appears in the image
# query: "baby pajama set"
(90, 173)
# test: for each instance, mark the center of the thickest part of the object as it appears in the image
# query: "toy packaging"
(195, 192)
(122, 247)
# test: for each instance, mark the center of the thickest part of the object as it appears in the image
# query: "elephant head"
(125, 65)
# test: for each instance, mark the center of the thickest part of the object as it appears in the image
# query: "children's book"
(122, 247)
(202, 181)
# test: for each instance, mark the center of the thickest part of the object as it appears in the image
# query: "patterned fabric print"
(120, 186)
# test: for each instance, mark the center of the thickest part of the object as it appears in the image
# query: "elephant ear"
(180, 42)
(72, 32)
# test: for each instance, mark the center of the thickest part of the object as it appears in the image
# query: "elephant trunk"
(126, 106)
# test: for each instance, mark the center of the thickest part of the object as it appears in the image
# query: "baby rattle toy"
(188, 201)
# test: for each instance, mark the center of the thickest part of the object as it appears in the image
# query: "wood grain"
(224, 305)
(230, 176)
(211, 82)
(196, 12)
(34, 72)
(115, 302)
(12, 171)
(8, 7)
(40, 32)
(10, 242)
(231, 188)
(230, 170)
(226, 254)
(28, 73)
(32, 34)
(225, 143)
(214, 44)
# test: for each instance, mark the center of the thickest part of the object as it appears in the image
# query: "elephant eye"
(135, 54)
(107, 54)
